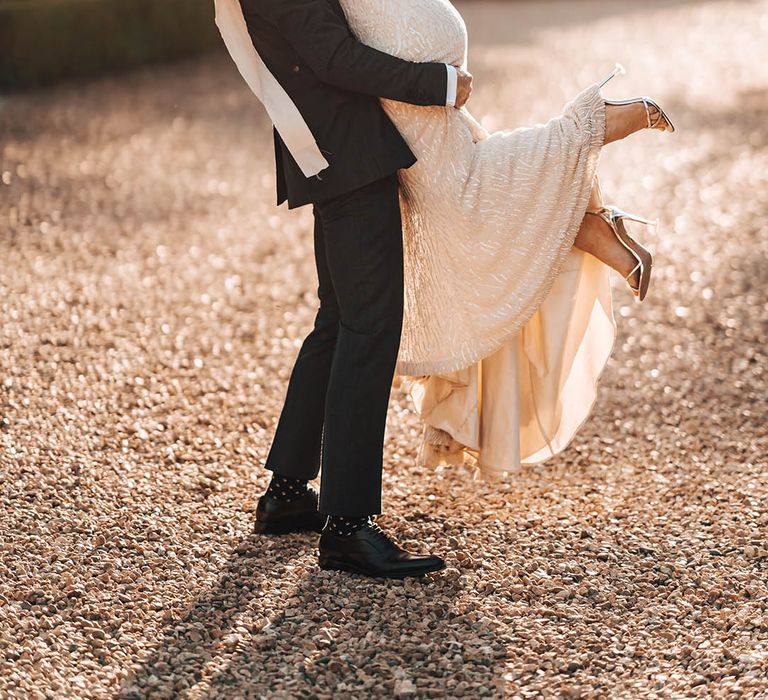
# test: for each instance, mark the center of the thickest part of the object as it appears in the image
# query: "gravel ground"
(153, 300)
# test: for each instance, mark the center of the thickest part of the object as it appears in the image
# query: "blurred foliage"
(46, 40)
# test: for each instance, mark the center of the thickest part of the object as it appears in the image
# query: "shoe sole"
(329, 564)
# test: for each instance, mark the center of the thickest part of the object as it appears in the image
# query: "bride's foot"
(625, 117)
(604, 235)
(621, 120)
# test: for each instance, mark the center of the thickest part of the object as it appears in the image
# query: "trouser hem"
(295, 473)
(349, 510)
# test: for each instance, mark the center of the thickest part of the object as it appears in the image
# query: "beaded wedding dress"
(507, 327)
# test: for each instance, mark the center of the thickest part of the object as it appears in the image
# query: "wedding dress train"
(507, 326)
(524, 403)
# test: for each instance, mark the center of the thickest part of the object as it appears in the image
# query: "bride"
(507, 244)
(508, 316)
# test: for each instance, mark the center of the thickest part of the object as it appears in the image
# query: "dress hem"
(458, 456)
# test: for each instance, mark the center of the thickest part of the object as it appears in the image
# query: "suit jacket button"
(295, 69)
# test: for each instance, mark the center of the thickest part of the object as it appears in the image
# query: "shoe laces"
(379, 534)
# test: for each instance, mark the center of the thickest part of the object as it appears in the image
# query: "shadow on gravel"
(329, 621)
(189, 643)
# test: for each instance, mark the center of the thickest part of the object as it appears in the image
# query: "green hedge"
(46, 40)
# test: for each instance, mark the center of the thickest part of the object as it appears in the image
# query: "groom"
(336, 403)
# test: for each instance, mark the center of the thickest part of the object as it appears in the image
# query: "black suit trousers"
(336, 403)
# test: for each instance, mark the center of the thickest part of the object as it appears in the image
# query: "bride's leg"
(625, 117)
(595, 196)
(596, 238)
(623, 120)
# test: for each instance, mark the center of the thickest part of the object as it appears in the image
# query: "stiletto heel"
(618, 69)
(660, 121)
(615, 218)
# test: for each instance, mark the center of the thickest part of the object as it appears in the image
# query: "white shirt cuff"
(453, 80)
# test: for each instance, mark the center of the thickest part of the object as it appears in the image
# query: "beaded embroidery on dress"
(507, 327)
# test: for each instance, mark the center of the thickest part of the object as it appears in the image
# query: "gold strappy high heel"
(658, 121)
(615, 219)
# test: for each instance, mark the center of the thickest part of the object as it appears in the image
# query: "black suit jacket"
(335, 82)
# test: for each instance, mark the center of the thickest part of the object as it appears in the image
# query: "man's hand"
(463, 87)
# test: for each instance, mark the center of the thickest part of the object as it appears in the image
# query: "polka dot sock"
(286, 488)
(342, 525)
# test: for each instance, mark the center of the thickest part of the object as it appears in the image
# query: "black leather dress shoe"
(371, 552)
(275, 517)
